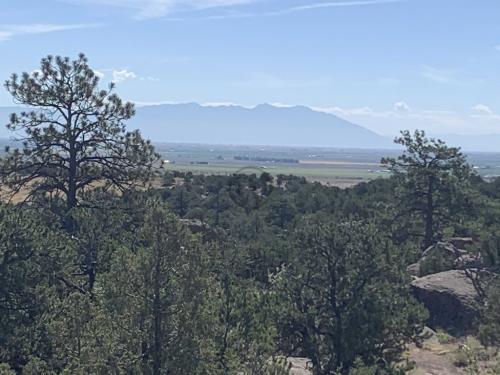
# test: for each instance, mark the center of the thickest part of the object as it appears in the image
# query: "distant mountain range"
(264, 124)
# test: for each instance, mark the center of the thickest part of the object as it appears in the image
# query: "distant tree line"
(267, 159)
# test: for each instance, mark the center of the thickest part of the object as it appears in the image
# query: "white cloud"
(282, 105)
(170, 102)
(482, 109)
(5, 35)
(146, 9)
(122, 75)
(219, 104)
(337, 4)
(390, 122)
(99, 74)
(437, 75)
(9, 31)
(401, 107)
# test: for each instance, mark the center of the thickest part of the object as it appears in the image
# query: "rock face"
(450, 298)
(300, 366)
(444, 248)
(414, 269)
(445, 256)
(469, 261)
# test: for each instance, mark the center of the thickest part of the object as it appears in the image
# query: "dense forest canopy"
(217, 274)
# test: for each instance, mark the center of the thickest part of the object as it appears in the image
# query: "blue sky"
(384, 64)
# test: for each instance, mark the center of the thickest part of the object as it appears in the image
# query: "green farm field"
(342, 177)
(337, 167)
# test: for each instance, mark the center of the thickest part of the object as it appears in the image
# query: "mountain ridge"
(259, 125)
(263, 124)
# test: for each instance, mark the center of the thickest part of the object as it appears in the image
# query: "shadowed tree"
(73, 134)
(158, 293)
(348, 300)
(432, 181)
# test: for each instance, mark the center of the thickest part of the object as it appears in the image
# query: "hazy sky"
(386, 65)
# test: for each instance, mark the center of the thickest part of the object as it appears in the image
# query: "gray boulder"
(414, 269)
(444, 248)
(451, 299)
(445, 256)
(300, 366)
(469, 261)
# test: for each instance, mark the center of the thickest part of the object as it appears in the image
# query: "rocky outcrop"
(468, 261)
(414, 269)
(451, 299)
(445, 256)
(300, 366)
(445, 249)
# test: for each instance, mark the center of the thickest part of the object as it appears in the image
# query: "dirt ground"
(433, 360)
(446, 358)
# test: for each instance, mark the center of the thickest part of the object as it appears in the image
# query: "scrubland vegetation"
(221, 274)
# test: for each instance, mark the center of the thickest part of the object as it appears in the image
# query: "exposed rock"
(450, 298)
(429, 336)
(468, 261)
(445, 256)
(300, 366)
(414, 269)
(434, 360)
(447, 248)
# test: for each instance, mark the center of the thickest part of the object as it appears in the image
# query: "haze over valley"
(266, 124)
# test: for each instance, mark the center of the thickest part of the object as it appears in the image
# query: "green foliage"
(100, 283)
(444, 337)
(432, 185)
(157, 292)
(128, 288)
(436, 261)
(348, 296)
(490, 325)
(6, 370)
(466, 357)
(32, 258)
